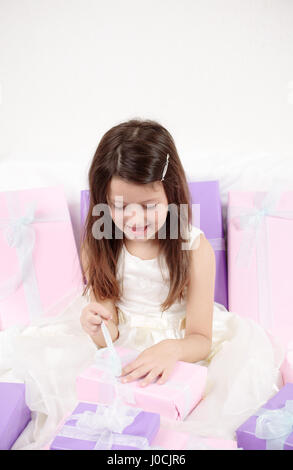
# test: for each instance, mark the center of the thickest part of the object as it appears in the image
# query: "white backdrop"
(218, 74)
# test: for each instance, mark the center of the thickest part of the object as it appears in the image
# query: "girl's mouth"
(138, 230)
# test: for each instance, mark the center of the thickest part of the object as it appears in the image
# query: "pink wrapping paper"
(54, 273)
(175, 399)
(246, 284)
(174, 440)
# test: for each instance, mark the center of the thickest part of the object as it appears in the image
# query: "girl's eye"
(151, 206)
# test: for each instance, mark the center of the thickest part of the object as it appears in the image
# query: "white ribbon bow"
(19, 233)
(253, 223)
(275, 426)
(106, 424)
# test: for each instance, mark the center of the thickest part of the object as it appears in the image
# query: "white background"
(217, 73)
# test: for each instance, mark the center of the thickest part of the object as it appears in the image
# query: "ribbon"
(105, 438)
(108, 361)
(253, 222)
(137, 321)
(105, 425)
(275, 426)
(112, 366)
(185, 388)
(107, 420)
(19, 233)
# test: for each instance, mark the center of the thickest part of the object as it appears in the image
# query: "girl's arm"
(98, 338)
(160, 358)
(196, 345)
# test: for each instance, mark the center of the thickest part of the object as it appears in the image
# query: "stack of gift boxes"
(88, 426)
(253, 280)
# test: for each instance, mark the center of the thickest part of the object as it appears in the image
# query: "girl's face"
(139, 210)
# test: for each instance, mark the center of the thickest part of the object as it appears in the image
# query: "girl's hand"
(158, 360)
(92, 316)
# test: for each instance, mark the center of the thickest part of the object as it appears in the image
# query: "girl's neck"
(145, 249)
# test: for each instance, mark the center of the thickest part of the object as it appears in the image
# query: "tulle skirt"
(243, 371)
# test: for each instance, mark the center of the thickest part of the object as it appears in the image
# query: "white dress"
(49, 354)
(242, 365)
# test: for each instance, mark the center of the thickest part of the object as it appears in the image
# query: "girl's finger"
(138, 362)
(100, 310)
(152, 375)
(164, 377)
(136, 374)
(95, 320)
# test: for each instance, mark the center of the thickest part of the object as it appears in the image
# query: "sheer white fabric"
(48, 355)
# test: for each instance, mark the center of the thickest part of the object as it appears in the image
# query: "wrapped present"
(207, 215)
(97, 427)
(174, 399)
(84, 206)
(40, 270)
(287, 366)
(271, 427)
(14, 413)
(165, 438)
(169, 439)
(260, 258)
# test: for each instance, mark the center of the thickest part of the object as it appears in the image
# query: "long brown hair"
(136, 151)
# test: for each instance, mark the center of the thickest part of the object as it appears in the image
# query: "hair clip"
(165, 167)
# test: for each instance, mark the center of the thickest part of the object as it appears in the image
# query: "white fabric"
(145, 287)
(242, 367)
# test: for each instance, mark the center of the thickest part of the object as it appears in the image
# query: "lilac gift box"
(14, 413)
(208, 217)
(283, 438)
(145, 425)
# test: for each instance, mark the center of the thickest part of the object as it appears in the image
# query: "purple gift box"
(84, 205)
(144, 426)
(14, 413)
(208, 218)
(271, 427)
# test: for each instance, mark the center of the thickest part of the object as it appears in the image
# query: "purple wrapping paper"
(245, 433)
(209, 219)
(145, 424)
(14, 413)
(84, 206)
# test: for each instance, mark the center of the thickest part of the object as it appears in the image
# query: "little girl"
(150, 277)
(151, 274)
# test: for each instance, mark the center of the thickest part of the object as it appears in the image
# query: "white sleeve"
(194, 235)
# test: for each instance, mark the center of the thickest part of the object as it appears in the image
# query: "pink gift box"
(260, 273)
(40, 270)
(174, 399)
(174, 440)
